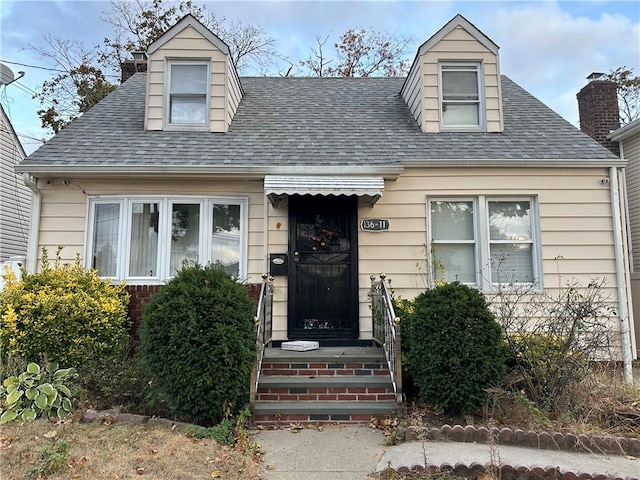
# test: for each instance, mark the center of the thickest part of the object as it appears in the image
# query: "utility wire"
(114, 75)
(33, 66)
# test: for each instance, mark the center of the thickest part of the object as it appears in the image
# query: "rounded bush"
(64, 313)
(455, 349)
(197, 341)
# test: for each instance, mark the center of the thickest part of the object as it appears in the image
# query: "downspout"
(625, 200)
(620, 276)
(34, 224)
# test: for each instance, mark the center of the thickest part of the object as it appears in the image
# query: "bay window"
(147, 240)
(484, 241)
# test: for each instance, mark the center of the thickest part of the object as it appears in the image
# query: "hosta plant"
(32, 394)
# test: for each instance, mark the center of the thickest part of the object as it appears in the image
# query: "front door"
(323, 290)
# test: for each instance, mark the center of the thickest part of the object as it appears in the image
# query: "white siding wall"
(15, 197)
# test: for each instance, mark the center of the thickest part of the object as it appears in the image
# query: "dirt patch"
(118, 451)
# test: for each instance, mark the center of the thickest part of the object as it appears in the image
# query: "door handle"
(296, 257)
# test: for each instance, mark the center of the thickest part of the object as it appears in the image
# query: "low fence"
(14, 264)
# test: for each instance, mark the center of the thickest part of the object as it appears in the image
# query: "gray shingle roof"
(311, 121)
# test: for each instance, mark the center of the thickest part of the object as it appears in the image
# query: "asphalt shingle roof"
(311, 121)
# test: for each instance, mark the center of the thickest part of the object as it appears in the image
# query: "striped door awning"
(279, 187)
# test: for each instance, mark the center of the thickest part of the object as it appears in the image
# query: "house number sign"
(374, 224)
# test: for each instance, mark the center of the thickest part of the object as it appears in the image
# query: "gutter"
(34, 224)
(623, 302)
(245, 172)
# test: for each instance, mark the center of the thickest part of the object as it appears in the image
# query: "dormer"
(454, 82)
(192, 83)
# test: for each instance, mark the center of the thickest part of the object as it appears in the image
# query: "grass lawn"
(116, 451)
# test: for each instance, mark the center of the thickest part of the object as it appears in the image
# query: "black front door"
(323, 290)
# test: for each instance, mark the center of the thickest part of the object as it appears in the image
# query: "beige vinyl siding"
(631, 149)
(15, 197)
(278, 241)
(189, 45)
(64, 210)
(574, 218)
(234, 91)
(459, 45)
(412, 92)
(62, 220)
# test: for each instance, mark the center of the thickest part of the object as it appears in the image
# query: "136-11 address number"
(374, 224)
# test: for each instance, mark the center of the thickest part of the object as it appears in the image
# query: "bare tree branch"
(361, 53)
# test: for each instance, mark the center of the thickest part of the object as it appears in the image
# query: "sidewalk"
(355, 452)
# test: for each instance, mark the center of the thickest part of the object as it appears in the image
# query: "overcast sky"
(548, 47)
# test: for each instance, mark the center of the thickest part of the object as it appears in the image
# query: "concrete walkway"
(355, 452)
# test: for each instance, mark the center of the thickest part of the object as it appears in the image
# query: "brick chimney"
(598, 109)
(137, 64)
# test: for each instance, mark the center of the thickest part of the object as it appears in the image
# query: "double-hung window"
(461, 95)
(144, 240)
(484, 241)
(188, 98)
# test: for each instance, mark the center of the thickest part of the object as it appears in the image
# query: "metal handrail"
(386, 330)
(264, 331)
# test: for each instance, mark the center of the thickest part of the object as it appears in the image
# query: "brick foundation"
(139, 295)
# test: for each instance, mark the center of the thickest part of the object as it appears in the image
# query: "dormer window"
(460, 96)
(188, 99)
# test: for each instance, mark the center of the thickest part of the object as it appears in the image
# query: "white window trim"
(482, 240)
(476, 237)
(167, 95)
(482, 116)
(126, 240)
(164, 221)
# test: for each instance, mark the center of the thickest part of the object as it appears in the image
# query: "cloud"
(550, 51)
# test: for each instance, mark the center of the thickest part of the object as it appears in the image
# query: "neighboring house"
(190, 162)
(629, 147)
(15, 197)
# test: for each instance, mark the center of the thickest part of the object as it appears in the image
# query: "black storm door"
(323, 291)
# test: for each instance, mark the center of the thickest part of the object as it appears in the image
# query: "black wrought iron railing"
(386, 330)
(263, 321)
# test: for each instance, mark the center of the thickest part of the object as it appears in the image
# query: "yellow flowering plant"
(64, 312)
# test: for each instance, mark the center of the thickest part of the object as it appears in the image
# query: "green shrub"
(122, 383)
(35, 392)
(64, 313)
(455, 350)
(197, 340)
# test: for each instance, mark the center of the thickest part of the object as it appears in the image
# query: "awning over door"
(279, 187)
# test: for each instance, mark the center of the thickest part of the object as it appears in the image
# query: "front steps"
(330, 384)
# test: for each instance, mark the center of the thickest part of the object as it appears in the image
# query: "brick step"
(274, 413)
(330, 384)
(326, 361)
(348, 388)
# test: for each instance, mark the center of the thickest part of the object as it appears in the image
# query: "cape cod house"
(326, 182)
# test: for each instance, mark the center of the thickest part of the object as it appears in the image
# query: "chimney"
(598, 109)
(131, 66)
